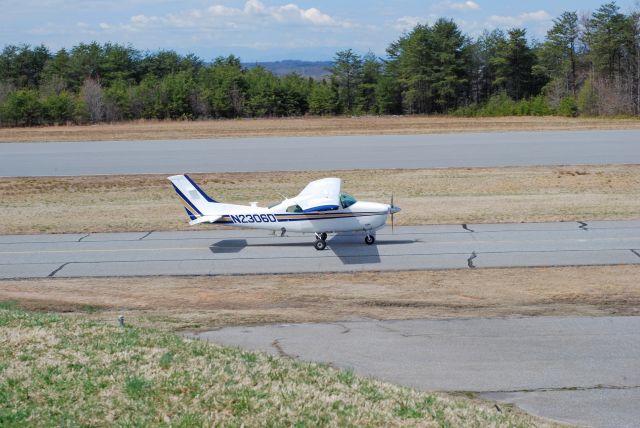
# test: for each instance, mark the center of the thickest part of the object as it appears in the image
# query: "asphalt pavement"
(583, 371)
(320, 153)
(223, 252)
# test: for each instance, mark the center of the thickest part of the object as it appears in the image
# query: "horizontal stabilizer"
(205, 219)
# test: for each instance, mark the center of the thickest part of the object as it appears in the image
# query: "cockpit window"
(346, 200)
(294, 209)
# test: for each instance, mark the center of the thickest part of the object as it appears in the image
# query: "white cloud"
(407, 23)
(254, 7)
(254, 12)
(316, 17)
(523, 18)
(464, 6)
(538, 16)
(218, 10)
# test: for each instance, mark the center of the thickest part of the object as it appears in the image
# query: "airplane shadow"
(353, 253)
(349, 249)
(228, 246)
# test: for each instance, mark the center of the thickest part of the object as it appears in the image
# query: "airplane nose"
(394, 209)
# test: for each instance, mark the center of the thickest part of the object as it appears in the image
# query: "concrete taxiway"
(584, 371)
(320, 153)
(221, 252)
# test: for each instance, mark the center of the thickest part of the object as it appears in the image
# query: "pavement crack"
(278, 348)
(583, 225)
(399, 332)
(52, 274)
(345, 329)
(563, 388)
(148, 233)
(636, 252)
(465, 227)
(470, 260)
(85, 236)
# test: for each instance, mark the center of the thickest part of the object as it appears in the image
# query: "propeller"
(392, 211)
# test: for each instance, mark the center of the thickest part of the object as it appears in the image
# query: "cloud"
(523, 18)
(407, 23)
(464, 6)
(254, 13)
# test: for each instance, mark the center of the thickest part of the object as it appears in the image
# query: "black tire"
(323, 236)
(320, 245)
(369, 239)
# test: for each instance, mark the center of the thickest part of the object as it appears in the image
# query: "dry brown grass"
(308, 126)
(209, 302)
(428, 196)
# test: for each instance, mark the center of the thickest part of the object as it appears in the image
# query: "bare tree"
(93, 97)
(237, 99)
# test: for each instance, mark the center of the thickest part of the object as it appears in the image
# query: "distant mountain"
(315, 69)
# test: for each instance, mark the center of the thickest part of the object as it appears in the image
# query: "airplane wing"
(320, 195)
(205, 219)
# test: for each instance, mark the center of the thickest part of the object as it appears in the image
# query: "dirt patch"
(307, 126)
(210, 302)
(427, 196)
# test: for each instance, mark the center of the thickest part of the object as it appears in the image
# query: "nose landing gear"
(369, 239)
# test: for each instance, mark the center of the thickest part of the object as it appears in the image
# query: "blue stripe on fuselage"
(322, 208)
(321, 216)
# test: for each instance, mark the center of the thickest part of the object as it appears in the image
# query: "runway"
(320, 153)
(584, 371)
(238, 252)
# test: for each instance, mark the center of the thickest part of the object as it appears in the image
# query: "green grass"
(65, 371)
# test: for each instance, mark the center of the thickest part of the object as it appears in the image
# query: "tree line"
(587, 65)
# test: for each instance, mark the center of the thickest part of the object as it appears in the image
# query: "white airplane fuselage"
(361, 216)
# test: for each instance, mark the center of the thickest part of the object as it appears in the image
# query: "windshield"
(294, 209)
(346, 200)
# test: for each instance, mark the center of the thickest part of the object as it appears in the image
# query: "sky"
(265, 30)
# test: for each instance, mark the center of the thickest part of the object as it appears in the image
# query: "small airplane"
(320, 208)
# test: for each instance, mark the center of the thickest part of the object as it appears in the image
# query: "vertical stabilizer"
(196, 202)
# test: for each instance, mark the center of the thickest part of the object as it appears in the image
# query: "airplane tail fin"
(196, 202)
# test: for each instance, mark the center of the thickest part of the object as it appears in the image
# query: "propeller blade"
(392, 225)
(392, 213)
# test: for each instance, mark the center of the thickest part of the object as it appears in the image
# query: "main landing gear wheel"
(323, 236)
(320, 244)
(369, 239)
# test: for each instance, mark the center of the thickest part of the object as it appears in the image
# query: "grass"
(427, 196)
(193, 303)
(65, 371)
(306, 126)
